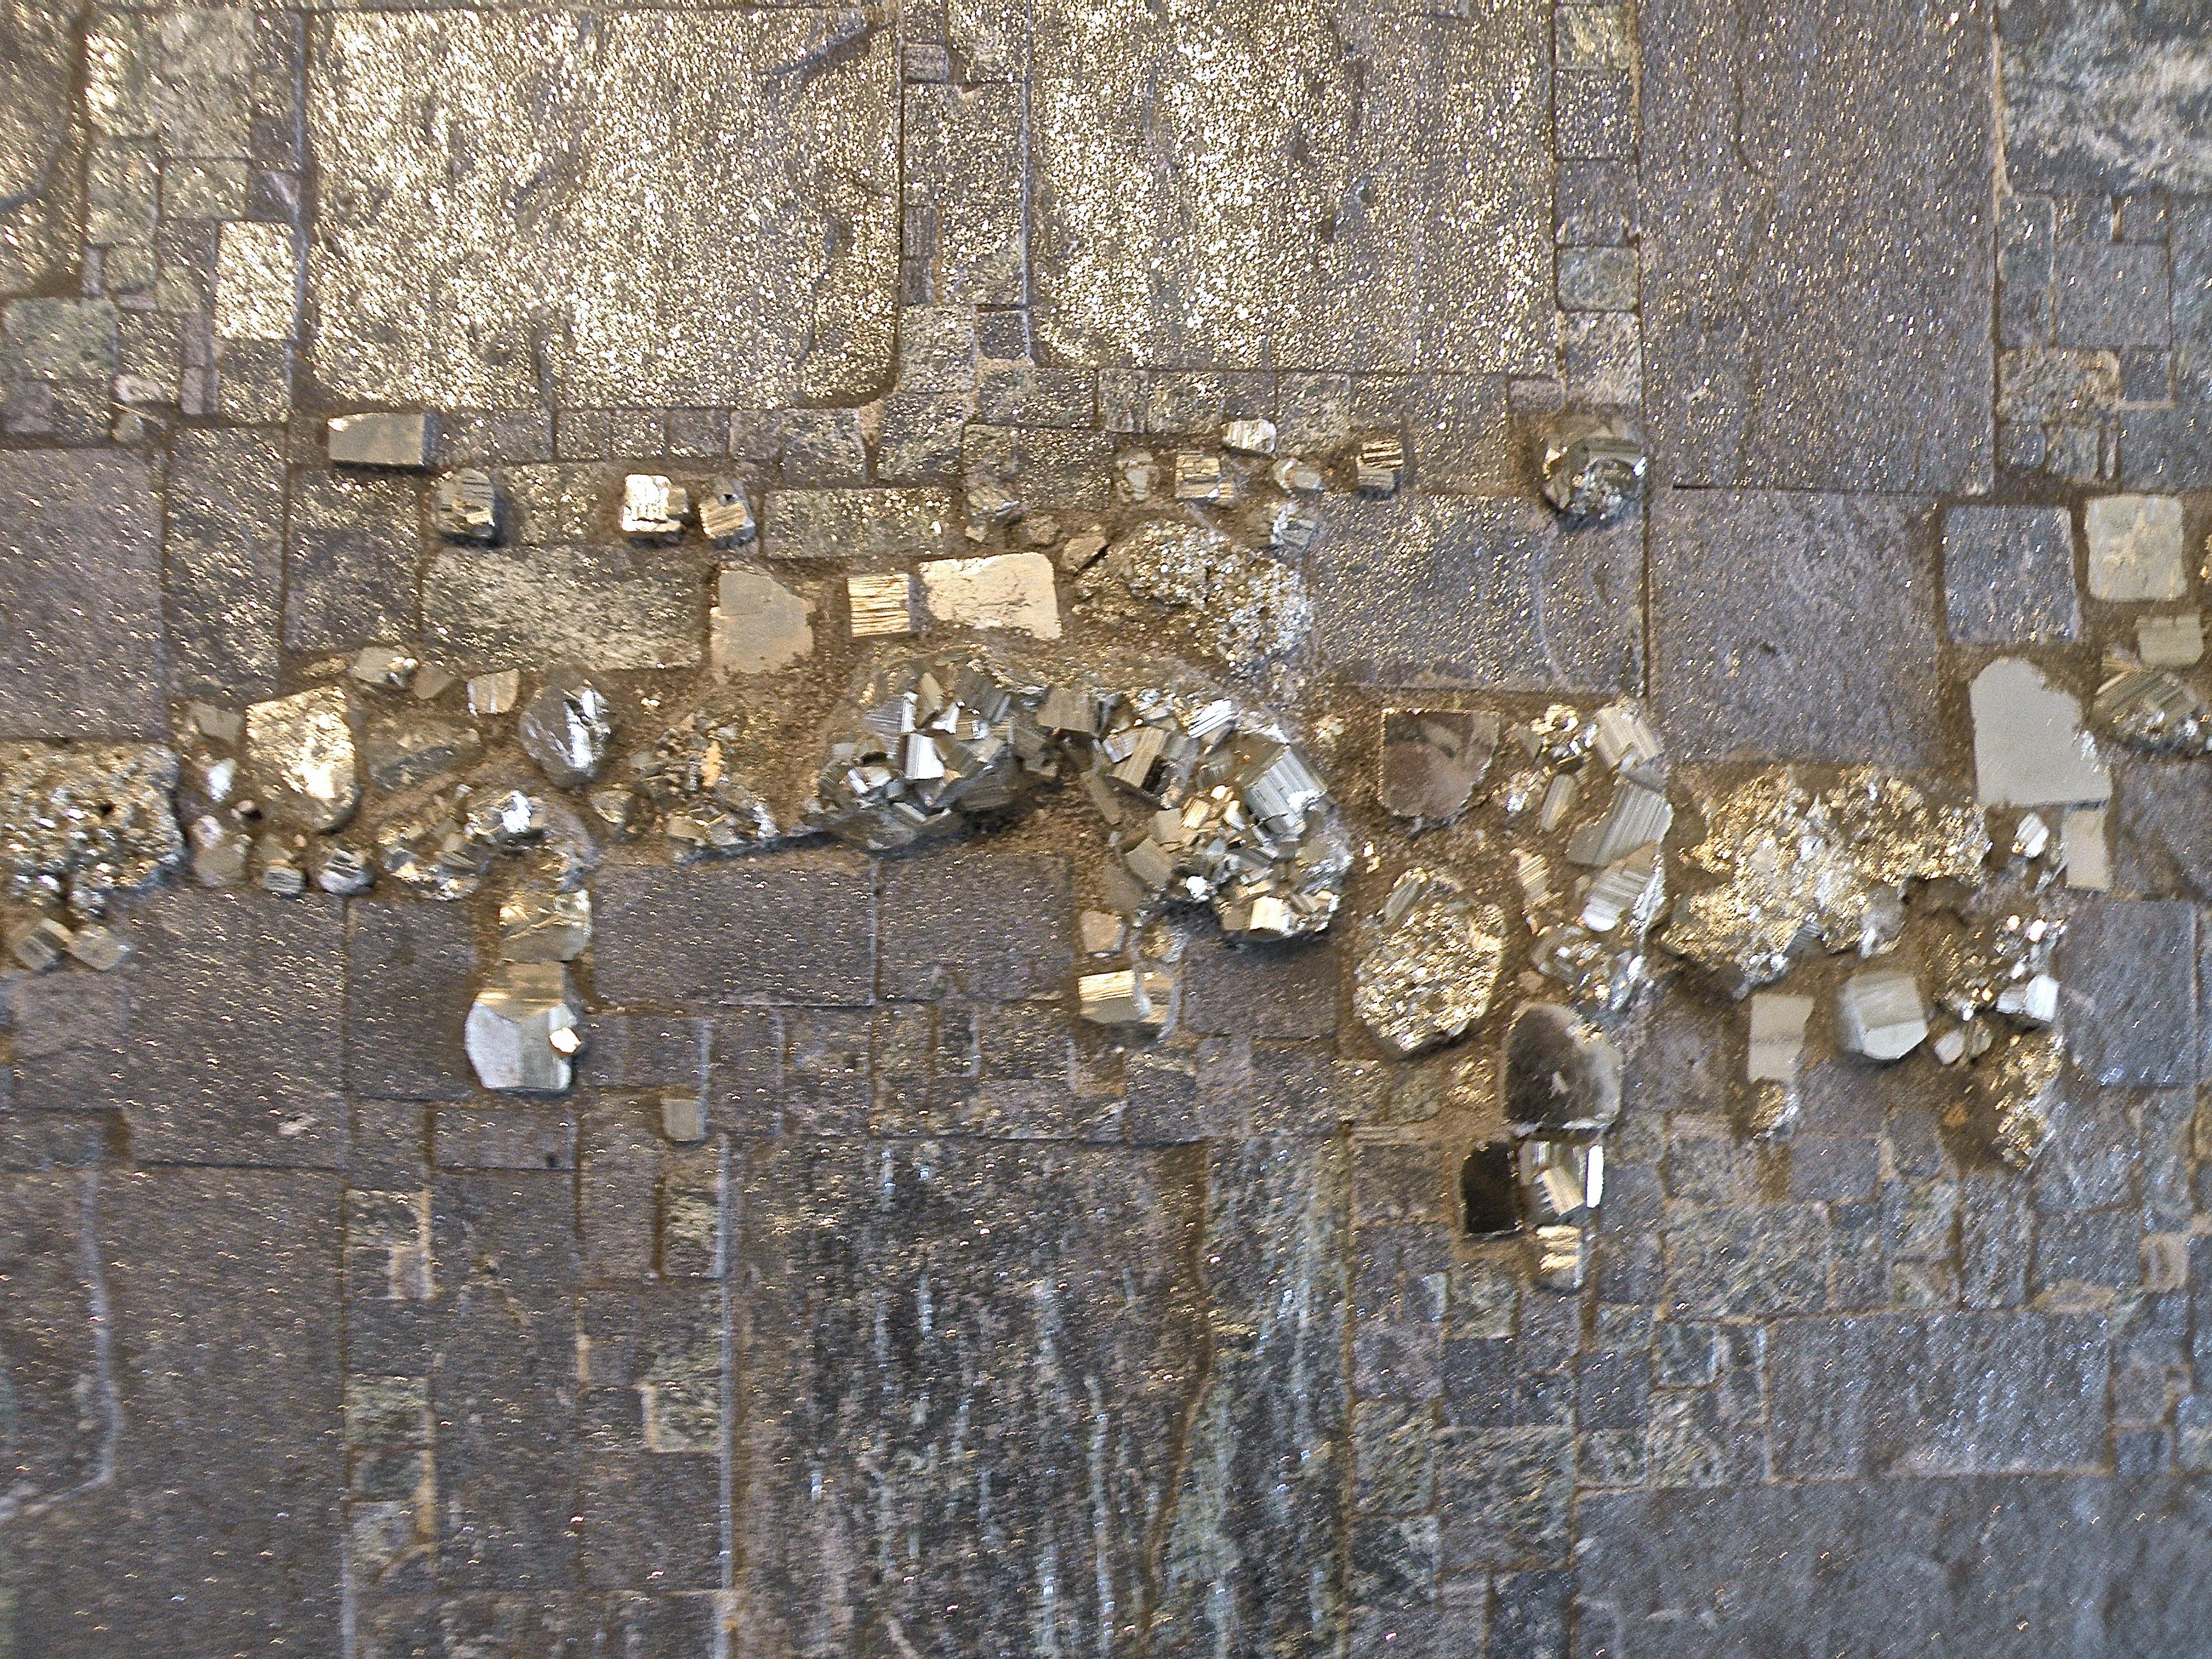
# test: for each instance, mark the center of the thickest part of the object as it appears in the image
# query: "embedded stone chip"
(1593, 468)
(536, 926)
(725, 514)
(1140, 997)
(1250, 436)
(1433, 758)
(1778, 1036)
(568, 727)
(465, 506)
(2176, 641)
(881, 604)
(383, 665)
(2135, 548)
(495, 693)
(299, 754)
(1379, 467)
(1007, 590)
(2029, 746)
(1880, 1014)
(652, 508)
(1560, 1180)
(381, 438)
(1562, 1075)
(524, 1028)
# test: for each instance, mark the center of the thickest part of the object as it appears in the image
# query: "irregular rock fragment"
(757, 624)
(1771, 1063)
(2029, 746)
(1638, 815)
(568, 727)
(381, 438)
(340, 871)
(299, 755)
(2152, 712)
(1230, 604)
(1140, 997)
(536, 926)
(524, 1029)
(1561, 1180)
(2019, 1088)
(1433, 759)
(1378, 466)
(1198, 477)
(1432, 967)
(79, 825)
(220, 850)
(495, 693)
(881, 604)
(689, 776)
(1008, 590)
(1880, 1014)
(400, 754)
(725, 514)
(39, 945)
(1593, 468)
(652, 508)
(1250, 436)
(1632, 890)
(2175, 641)
(100, 949)
(465, 506)
(383, 665)
(1562, 1075)
(2087, 853)
(2135, 548)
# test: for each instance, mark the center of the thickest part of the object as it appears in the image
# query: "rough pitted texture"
(1239, 607)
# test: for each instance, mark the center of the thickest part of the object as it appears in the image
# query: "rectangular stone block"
(350, 561)
(410, 971)
(2008, 574)
(979, 926)
(1504, 1497)
(1949, 1393)
(1794, 626)
(790, 928)
(223, 560)
(2128, 979)
(1721, 1261)
(964, 197)
(1408, 228)
(1476, 592)
(590, 200)
(857, 524)
(81, 588)
(610, 607)
(2101, 99)
(1818, 257)
(504, 1137)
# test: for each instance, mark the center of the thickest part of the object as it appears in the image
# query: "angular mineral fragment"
(1432, 967)
(39, 945)
(2170, 641)
(1562, 1077)
(342, 871)
(2152, 712)
(381, 438)
(2029, 746)
(465, 506)
(568, 727)
(299, 755)
(757, 624)
(1198, 476)
(495, 693)
(1134, 997)
(881, 604)
(400, 754)
(1630, 890)
(653, 509)
(1561, 1180)
(725, 514)
(1298, 476)
(1008, 590)
(1433, 759)
(536, 926)
(2018, 1088)
(1559, 1256)
(1378, 466)
(99, 948)
(81, 824)
(524, 1028)
(1638, 815)
(383, 665)
(1593, 468)
(1250, 436)
(1880, 1014)
(1776, 1049)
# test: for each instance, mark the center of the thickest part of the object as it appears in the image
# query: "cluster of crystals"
(80, 825)
(1804, 868)
(1593, 468)
(1207, 804)
(1430, 965)
(525, 1026)
(687, 776)
(1237, 606)
(2152, 711)
(445, 848)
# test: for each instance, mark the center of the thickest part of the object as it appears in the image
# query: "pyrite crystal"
(1432, 966)
(1562, 1074)
(299, 755)
(1593, 468)
(465, 506)
(523, 1028)
(568, 727)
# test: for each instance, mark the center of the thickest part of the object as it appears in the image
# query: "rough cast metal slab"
(1226, 185)
(647, 208)
(1817, 258)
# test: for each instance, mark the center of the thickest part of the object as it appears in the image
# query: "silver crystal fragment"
(1560, 1180)
(2152, 711)
(342, 871)
(2029, 746)
(383, 665)
(1594, 468)
(1630, 889)
(1559, 1256)
(1623, 738)
(1297, 477)
(1562, 1076)
(1778, 1036)
(40, 945)
(725, 514)
(757, 624)
(381, 438)
(99, 948)
(2033, 1001)
(1378, 465)
(568, 727)
(881, 604)
(1638, 815)
(1197, 476)
(522, 1029)
(1432, 966)
(2175, 641)
(495, 693)
(299, 754)
(465, 506)
(1140, 997)
(1433, 759)
(653, 509)
(1250, 436)
(535, 926)
(1880, 1014)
